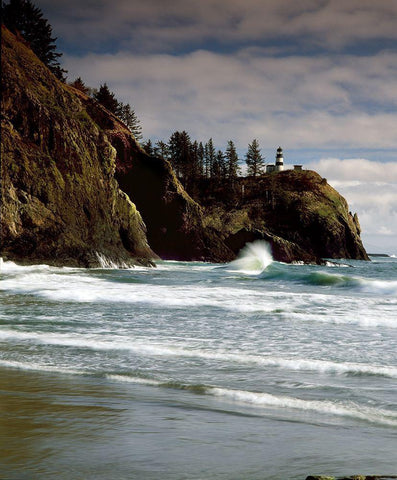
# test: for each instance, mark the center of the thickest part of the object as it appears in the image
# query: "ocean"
(250, 370)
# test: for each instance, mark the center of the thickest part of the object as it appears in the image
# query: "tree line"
(193, 160)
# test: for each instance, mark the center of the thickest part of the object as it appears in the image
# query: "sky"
(317, 77)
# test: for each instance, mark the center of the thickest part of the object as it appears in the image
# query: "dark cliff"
(297, 212)
(70, 172)
(61, 203)
(175, 223)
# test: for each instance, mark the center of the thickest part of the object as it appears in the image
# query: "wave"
(368, 414)
(253, 259)
(321, 278)
(264, 400)
(115, 343)
(255, 399)
(37, 367)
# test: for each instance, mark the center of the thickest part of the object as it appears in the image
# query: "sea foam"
(114, 342)
(253, 259)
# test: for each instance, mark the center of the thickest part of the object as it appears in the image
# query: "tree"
(232, 166)
(80, 85)
(254, 159)
(107, 98)
(148, 147)
(128, 116)
(219, 166)
(200, 159)
(161, 149)
(21, 16)
(180, 151)
(209, 158)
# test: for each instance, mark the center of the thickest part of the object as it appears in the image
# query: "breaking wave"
(266, 400)
(253, 259)
(144, 348)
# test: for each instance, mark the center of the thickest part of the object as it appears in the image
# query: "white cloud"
(301, 102)
(356, 170)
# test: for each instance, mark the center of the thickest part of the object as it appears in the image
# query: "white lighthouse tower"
(279, 160)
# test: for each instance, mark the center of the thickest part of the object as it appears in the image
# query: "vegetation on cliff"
(298, 212)
(61, 203)
(64, 158)
(24, 19)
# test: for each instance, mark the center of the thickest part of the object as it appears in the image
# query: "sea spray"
(254, 258)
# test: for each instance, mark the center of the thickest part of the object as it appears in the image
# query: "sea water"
(250, 370)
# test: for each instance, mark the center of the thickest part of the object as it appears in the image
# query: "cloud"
(299, 102)
(356, 170)
(155, 25)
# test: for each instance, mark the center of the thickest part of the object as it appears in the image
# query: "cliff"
(64, 159)
(77, 188)
(297, 212)
(61, 203)
(176, 228)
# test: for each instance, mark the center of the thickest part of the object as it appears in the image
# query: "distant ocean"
(250, 370)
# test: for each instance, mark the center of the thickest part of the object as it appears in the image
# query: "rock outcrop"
(297, 212)
(61, 203)
(65, 158)
(175, 223)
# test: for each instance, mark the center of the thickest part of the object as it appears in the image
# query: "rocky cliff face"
(175, 223)
(302, 217)
(64, 159)
(61, 203)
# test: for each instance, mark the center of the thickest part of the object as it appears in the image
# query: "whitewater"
(249, 370)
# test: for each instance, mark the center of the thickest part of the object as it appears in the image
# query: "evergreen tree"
(232, 166)
(200, 159)
(128, 116)
(21, 16)
(209, 158)
(107, 98)
(219, 166)
(161, 149)
(179, 147)
(80, 85)
(195, 162)
(254, 159)
(148, 147)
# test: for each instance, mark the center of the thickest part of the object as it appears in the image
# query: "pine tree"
(161, 149)
(179, 147)
(148, 147)
(200, 159)
(80, 85)
(232, 166)
(128, 116)
(107, 98)
(218, 168)
(254, 159)
(21, 16)
(209, 158)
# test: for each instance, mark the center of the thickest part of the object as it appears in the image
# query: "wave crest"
(254, 258)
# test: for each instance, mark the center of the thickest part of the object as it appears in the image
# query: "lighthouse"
(279, 160)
